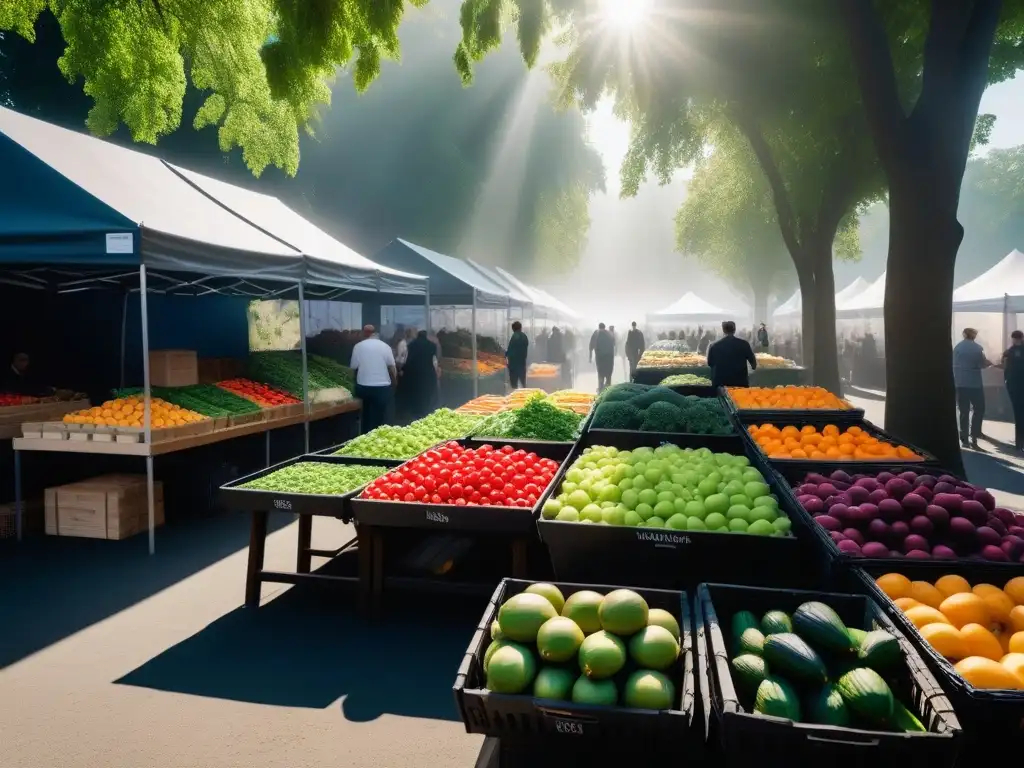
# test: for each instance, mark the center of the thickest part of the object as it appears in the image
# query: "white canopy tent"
(1000, 289)
(793, 306)
(868, 303)
(691, 307)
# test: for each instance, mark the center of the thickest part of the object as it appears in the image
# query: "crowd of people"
(969, 360)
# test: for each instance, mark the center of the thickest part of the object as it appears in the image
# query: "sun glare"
(625, 14)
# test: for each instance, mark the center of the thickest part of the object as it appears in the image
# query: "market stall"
(101, 217)
(461, 300)
(788, 313)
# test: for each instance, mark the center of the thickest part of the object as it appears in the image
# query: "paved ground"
(112, 659)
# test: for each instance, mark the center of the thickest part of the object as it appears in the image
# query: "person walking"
(635, 347)
(1013, 375)
(728, 359)
(376, 378)
(968, 361)
(515, 356)
(602, 351)
(420, 376)
(762, 338)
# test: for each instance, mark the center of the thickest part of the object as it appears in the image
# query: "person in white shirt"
(376, 376)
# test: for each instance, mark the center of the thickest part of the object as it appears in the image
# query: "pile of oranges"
(786, 398)
(981, 628)
(130, 412)
(831, 444)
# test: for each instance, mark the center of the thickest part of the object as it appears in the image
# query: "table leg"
(365, 548)
(303, 561)
(267, 434)
(519, 558)
(150, 505)
(17, 494)
(377, 583)
(257, 545)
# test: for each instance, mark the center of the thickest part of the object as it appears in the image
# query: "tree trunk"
(760, 306)
(826, 352)
(920, 396)
(807, 300)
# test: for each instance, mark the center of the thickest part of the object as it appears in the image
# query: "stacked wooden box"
(105, 507)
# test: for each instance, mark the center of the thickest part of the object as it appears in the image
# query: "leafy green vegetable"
(660, 409)
(405, 442)
(317, 477)
(207, 399)
(284, 371)
(685, 380)
(537, 420)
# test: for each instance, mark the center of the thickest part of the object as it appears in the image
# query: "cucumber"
(749, 671)
(828, 707)
(857, 636)
(880, 651)
(741, 622)
(788, 654)
(751, 641)
(776, 621)
(776, 698)
(820, 626)
(903, 719)
(867, 695)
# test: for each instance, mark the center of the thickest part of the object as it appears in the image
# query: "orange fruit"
(1015, 663)
(1016, 622)
(925, 593)
(988, 674)
(965, 608)
(905, 603)
(945, 639)
(1015, 589)
(952, 584)
(998, 602)
(1016, 643)
(980, 641)
(922, 615)
(895, 585)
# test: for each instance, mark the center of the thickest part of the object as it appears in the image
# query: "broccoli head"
(705, 416)
(623, 392)
(616, 415)
(657, 395)
(662, 417)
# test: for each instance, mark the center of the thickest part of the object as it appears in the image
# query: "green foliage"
(562, 228)
(537, 420)
(264, 65)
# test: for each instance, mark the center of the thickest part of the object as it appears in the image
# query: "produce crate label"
(282, 504)
(668, 540)
(571, 727)
(437, 517)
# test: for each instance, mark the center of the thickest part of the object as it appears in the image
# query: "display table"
(148, 451)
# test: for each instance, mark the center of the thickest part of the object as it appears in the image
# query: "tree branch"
(780, 196)
(876, 74)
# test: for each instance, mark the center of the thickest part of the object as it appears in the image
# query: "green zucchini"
(880, 651)
(741, 622)
(776, 621)
(903, 719)
(751, 641)
(788, 654)
(820, 626)
(857, 636)
(828, 707)
(776, 698)
(749, 671)
(867, 695)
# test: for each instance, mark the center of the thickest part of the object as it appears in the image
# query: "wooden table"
(150, 450)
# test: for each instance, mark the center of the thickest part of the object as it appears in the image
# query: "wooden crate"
(105, 507)
(31, 519)
(284, 411)
(214, 369)
(246, 418)
(173, 368)
(138, 434)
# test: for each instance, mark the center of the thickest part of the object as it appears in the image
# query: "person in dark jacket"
(21, 379)
(728, 358)
(602, 351)
(420, 373)
(515, 356)
(762, 338)
(635, 347)
(1013, 375)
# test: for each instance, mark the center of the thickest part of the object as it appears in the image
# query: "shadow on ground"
(991, 470)
(56, 586)
(310, 648)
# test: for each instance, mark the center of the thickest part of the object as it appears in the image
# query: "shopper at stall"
(21, 379)
(516, 354)
(1013, 375)
(635, 347)
(602, 351)
(968, 361)
(420, 376)
(728, 359)
(376, 378)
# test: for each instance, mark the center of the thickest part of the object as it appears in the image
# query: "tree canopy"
(264, 66)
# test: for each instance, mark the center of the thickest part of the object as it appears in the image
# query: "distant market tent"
(692, 308)
(868, 303)
(794, 304)
(1000, 289)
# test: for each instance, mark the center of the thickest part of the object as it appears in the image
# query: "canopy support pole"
(147, 407)
(426, 304)
(476, 371)
(124, 333)
(305, 367)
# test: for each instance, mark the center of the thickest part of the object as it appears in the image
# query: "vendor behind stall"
(21, 380)
(421, 374)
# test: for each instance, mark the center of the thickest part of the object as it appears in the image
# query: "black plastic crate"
(654, 376)
(744, 733)
(668, 559)
(990, 717)
(448, 517)
(833, 564)
(523, 717)
(234, 496)
(787, 415)
(826, 466)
